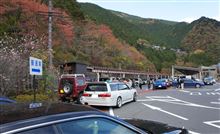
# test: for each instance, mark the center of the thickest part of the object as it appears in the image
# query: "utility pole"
(50, 50)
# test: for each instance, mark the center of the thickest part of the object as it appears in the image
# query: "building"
(198, 73)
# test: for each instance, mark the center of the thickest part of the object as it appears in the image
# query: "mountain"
(75, 38)
(90, 34)
(139, 20)
(200, 39)
(121, 28)
(131, 28)
(203, 41)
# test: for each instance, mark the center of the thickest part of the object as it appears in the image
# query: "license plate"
(95, 96)
(159, 86)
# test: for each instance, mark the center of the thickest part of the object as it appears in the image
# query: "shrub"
(30, 98)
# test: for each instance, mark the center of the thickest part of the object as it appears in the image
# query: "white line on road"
(111, 111)
(172, 100)
(215, 102)
(195, 93)
(212, 123)
(185, 91)
(217, 89)
(159, 109)
(145, 100)
(192, 132)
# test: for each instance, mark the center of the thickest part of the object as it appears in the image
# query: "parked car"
(160, 83)
(5, 100)
(138, 82)
(63, 118)
(71, 87)
(145, 81)
(108, 94)
(190, 83)
(169, 82)
(209, 81)
(126, 81)
(108, 79)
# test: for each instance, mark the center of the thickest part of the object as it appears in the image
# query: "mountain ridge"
(183, 36)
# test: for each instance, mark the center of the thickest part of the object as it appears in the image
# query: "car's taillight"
(87, 95)
(105, 95)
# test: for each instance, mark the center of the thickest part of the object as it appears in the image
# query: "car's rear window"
(64, 81)
(96, 87)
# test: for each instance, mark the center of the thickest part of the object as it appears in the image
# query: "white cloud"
(216, 18)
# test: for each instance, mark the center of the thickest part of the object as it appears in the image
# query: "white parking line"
(195, 93)
(111, 111)
(172, 100)
(185, 91)
(159, 109)
(215, 102)
(192, 132)
(217, 89)
(212, 123)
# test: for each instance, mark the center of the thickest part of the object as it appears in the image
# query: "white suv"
(108, 94)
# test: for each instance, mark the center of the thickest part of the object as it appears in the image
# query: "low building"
(200, 72)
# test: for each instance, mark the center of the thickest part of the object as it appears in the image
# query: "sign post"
(36, 68)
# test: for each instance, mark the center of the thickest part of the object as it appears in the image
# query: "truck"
(71, 87)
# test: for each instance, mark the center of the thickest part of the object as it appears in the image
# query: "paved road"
(198, 110)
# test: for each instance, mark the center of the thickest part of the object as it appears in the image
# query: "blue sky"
(174, 10)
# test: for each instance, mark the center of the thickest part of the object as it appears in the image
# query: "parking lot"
(198, 110)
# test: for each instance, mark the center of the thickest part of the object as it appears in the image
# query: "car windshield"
(96, 87)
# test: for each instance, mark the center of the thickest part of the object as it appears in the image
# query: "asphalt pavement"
(197, 110)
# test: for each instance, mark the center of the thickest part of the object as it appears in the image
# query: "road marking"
(195, 93)
(159, 109)
(111, 111)
(212, 123)
(215, 102)
(172, 100)
(213, 93)
(217, 89)
(185, 91)
(192, 132)
(145, 100)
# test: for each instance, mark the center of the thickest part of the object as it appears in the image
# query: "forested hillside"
(87, 33)
(198, 41)
(75, 38)
(203, 42)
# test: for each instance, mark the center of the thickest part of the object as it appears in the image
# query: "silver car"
(108, 94)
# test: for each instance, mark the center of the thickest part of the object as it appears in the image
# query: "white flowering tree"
(14, 54)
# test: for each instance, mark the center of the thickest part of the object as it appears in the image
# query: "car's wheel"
(198, 85)
(79, 99)
(67, 88)
(119, 102)
(134, 97)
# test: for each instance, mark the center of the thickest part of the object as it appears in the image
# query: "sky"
(173, 10)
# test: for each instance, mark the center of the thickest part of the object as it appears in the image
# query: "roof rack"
(72, 75)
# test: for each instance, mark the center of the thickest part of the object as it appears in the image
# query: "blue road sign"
(36, 66)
